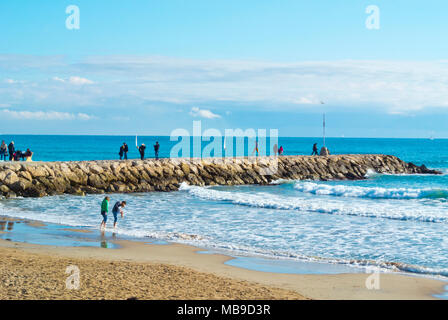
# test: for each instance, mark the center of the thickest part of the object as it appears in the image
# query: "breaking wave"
(370, 192)
(395, 210)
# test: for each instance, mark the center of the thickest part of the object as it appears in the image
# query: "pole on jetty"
(324, 151)
(324, 127)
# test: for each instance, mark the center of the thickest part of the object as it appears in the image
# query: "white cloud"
(13, 81)
(58, 79)
(203, 113)
(79, 81)
(44, 115)
(74, 80)
(390, 86)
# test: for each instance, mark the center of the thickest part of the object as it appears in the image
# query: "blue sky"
(149, 67)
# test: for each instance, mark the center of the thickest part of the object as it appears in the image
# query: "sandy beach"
(148, 271)
(29, 272)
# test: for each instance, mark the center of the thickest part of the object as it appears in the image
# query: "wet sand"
(149, 271)
(77, 230)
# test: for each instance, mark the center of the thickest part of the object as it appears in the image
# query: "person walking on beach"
(156, 150)
(315, 151)
(104, 211)
(141, 149)
(118, 208)
(3, 151)
(125, 150)
(11, 150)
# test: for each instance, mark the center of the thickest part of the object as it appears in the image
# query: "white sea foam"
(371, 173)
(388, 210)
(369, 192)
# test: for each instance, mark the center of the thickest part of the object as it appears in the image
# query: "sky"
(149, 67)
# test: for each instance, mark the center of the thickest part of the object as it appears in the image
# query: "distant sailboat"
(431, 137)
(136, 142)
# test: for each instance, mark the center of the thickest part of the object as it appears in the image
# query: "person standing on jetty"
(280, 151)
(156, 150)
(255, 151)
(118, 208)
(11, 150)
(141, 149)
(125, 150)
(104, 211)
(315, 151)
(121, 152)
(3, 151)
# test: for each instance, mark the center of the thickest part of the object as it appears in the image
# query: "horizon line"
(127, 135)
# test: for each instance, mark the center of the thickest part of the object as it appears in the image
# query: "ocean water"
(393, 222)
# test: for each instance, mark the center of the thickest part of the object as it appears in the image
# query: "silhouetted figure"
(121, 152)
(125, 151)
(315, 151)
(11, 150)
(3, 151)
(156, 150)
(141, 150)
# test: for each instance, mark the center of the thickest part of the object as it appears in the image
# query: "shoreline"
(140, 254)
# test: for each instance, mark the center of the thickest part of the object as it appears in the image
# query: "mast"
(324, 128)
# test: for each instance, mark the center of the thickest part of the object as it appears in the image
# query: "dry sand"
(25, 275)
(147, 271)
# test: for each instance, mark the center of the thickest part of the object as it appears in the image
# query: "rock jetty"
(39, 179)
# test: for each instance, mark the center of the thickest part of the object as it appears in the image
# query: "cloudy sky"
(148, 67)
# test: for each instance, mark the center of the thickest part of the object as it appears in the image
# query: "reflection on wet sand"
(104, 244)
(103, 240)
(21, 230)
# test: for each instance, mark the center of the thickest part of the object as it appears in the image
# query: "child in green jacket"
(104, 211)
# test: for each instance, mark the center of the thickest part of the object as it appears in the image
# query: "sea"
(390, 222)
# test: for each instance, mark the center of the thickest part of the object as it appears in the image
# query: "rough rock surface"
(38, 179)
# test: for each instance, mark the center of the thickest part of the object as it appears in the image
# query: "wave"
(363, 208)
(370, 192)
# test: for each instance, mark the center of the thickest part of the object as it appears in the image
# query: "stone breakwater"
(38, 179)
